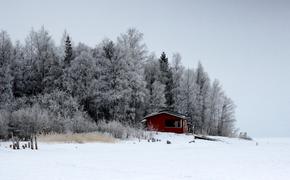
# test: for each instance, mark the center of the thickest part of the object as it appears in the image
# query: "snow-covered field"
(231, 159)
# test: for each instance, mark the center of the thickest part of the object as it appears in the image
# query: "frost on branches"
(68, 87)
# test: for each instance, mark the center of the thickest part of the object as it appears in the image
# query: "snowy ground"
(232, 159)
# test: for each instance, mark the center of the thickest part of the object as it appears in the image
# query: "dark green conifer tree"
(166, 78)
(68, 52)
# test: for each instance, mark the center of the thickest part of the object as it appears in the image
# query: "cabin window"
(173, 123)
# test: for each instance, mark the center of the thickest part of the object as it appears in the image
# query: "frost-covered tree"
(4, 120)
(63, 88)
(80, 81)
(215, 101)
(6, 80)
(81, 47)
(42, 70)
(31, 77)
(53, 79)
(227, 118)
(151, 75)
(201, 114)
(177, 72)
(18, 70)
(134, 52)
(151, 71)
(112, 75)
(61, 48)
(187, 97)
(156, 98)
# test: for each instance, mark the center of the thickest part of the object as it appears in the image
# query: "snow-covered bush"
(62, 108)
(115, 128)
(56, 112)
(119, 130)
(59, 103)
(80, 124)
(29, 121)
(23, 102)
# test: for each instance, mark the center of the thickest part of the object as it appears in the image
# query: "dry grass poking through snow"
(77, 138)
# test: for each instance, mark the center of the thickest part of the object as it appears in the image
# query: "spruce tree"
(68, 52)
(166, 78)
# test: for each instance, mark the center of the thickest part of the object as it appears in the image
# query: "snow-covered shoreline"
(230, 158)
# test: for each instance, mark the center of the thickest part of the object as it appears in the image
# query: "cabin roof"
(165, 112)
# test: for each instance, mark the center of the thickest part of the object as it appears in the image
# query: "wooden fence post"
(31, 142)
(12, 139)
(35, 141)
(17, 143)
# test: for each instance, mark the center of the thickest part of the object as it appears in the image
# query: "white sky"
(243, 43)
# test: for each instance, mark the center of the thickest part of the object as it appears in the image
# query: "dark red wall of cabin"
(157, 123)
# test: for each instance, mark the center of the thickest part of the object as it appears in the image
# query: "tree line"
(46, 87)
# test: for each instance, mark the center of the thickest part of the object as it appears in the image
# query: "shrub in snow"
(55, 112)
(29, 121)
(121, 131)
(115, 128)
(80, 123)
(66, 114)
(23, 102)
(59, 103)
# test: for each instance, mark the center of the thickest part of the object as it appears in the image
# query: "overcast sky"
(245, 44)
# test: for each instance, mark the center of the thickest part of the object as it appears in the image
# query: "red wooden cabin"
(166, 121)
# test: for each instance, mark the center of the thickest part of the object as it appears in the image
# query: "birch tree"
(215, 101)
(188, 95)
(134, 52)
(201, 114)
(227, 118)
(112, 76)
(42, 65)
(177, 72)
